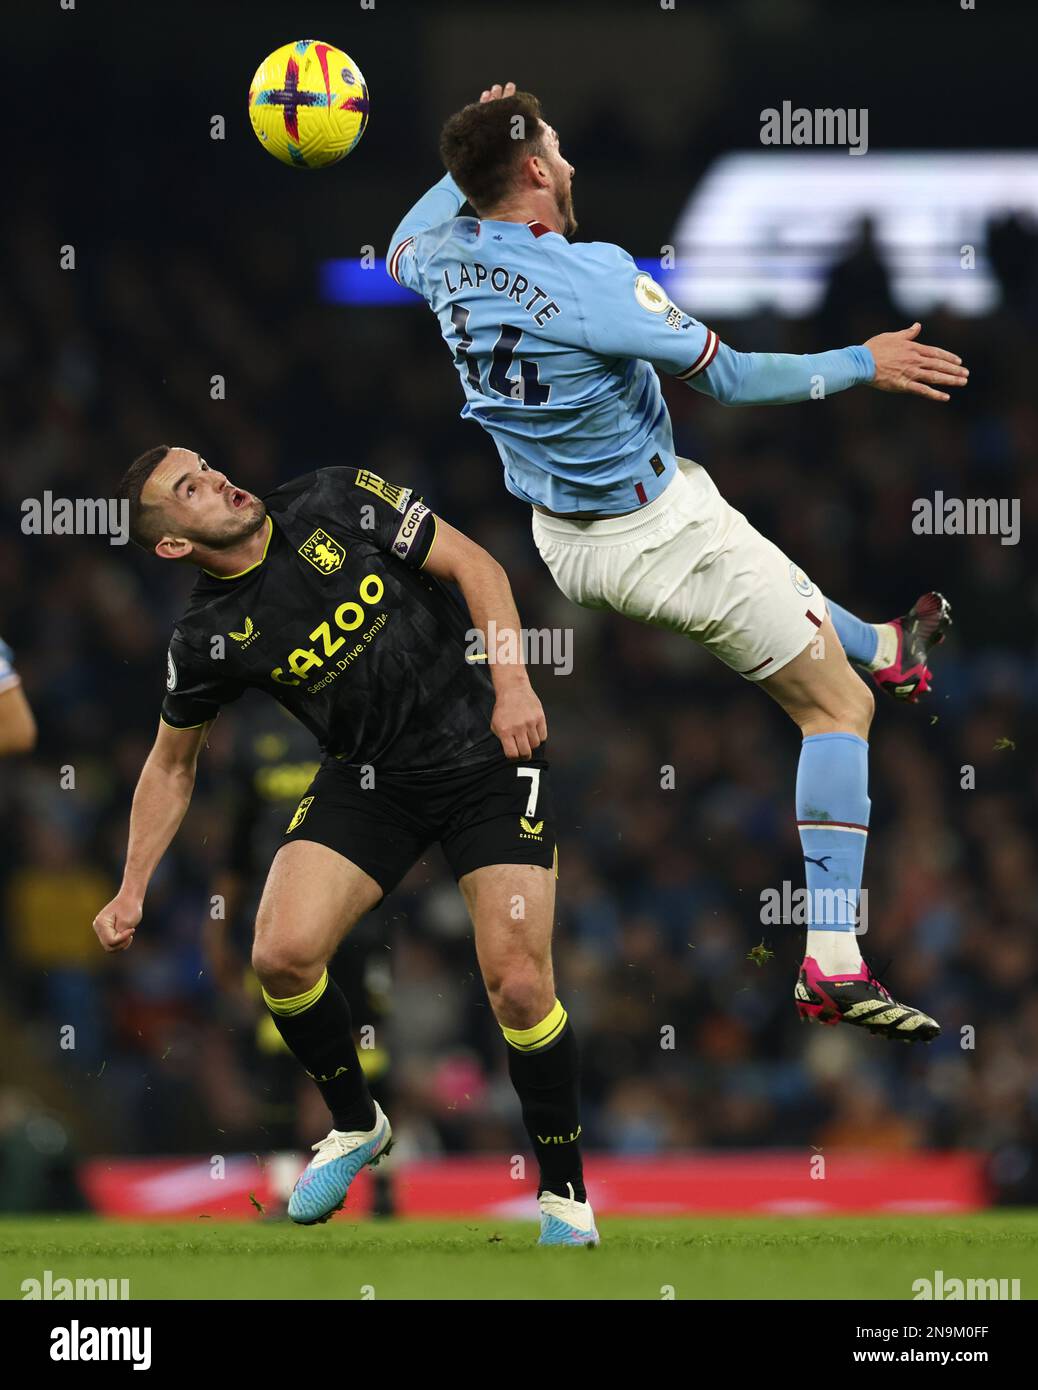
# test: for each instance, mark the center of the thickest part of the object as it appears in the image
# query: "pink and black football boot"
(859, 999)
(921, 629)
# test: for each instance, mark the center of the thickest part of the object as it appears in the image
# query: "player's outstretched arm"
(626, 314)
(889, 361)
(162, 797)
(518, 716)
(442, 202)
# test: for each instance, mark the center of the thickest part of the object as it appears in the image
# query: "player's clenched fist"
(902, 364)
(519, 722)
(117, 921)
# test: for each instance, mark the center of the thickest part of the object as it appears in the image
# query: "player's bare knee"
(521, 994)
(868, 705)
(283, 969)
(847, 710)
(857, 705)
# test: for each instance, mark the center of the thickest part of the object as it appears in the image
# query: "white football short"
(689, 562)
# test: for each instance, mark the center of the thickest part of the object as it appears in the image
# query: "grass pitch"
(681, 1258)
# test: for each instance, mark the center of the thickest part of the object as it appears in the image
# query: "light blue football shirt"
(9, 677)
(557, 345)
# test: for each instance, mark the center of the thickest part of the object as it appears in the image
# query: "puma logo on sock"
(820, 862)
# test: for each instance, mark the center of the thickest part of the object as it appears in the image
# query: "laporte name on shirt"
(506, 282)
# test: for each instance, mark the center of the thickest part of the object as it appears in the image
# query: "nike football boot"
(321, 1188)
(565, 1221)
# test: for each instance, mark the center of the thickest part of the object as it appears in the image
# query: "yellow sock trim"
(299, 1003)
(541, 1034)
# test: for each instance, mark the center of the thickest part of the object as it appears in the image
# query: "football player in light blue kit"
(557, 345)
(17, 723)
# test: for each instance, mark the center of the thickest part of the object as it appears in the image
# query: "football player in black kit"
(330, 595)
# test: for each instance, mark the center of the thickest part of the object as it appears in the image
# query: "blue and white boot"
(321, 1187)
(565, 1221)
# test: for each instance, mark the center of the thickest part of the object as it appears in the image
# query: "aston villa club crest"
(324, 553)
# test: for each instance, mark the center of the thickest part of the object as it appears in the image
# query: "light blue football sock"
(859, 639)
(832, 818)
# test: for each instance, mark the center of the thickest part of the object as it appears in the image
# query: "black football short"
(496, 812)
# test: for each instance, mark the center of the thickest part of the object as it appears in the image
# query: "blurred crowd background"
(196, 257)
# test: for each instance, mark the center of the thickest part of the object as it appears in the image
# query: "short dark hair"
(146, 522)
(480, 148)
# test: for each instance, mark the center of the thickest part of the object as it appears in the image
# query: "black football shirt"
(338, 623)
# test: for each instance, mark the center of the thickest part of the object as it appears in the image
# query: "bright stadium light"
(762, 231)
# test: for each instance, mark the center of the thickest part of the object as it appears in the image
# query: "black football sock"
(318, 1029)
(545, 1071)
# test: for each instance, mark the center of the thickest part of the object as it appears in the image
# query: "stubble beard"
(564, 203)
(240, 528)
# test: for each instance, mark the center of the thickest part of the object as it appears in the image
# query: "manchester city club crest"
(801, 582)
